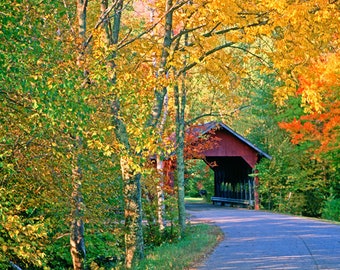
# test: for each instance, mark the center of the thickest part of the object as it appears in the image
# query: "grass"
(198, 242)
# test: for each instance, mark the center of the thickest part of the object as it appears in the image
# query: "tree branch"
(14, 266)
(235, 28)
(193, 120)
(253, 54)
(102, 18)
(172, 9)
(186, 31)
(202, 57)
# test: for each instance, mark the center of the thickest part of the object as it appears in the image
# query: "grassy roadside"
(199, 241)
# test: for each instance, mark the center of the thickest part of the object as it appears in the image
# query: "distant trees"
(300, 179)
(317, 130)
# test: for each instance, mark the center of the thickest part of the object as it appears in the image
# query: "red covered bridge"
(233, 159)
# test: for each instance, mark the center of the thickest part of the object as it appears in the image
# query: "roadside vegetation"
(199, 241)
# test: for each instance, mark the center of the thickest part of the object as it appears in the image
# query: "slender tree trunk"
(160, 105)
(134, 242)
(14, 266)
(132, 213)
(160, 168)
(77, 240)
(162, 70)
(81, 16)
(160, 193)
(180, 102)
(180, 181)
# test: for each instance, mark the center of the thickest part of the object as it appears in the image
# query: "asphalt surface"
(262, 240)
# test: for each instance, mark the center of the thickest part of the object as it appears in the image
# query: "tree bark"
(160, 193)
(160, 105)
(81, 16)
(14, 266)
(162, 70)
(134, 242)
(77, 240)
(132, 213)
(180, 102)
(160, 168)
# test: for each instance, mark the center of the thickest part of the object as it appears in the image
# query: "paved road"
(261, 240)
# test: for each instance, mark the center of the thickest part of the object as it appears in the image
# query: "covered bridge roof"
(231, 143)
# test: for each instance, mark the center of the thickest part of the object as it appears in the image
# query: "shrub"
(331, 210)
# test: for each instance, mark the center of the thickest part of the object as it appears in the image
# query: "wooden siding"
(231, 146)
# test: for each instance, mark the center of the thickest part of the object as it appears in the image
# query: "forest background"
(92, 91)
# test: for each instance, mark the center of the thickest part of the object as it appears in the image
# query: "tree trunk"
(14, 266)
(132, 213)
(134, 242)
(160, 167)
(162, 71)
(180, 183)
(77, 241)
(156, 120)
(160, 193)
(180, 102)
(81, 16)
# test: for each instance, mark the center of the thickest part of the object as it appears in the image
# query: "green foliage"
(57, 253)
(294, 181)
(23, 232)
(152, 233)
(198, 177)
(331, 209)
(105, 249)
(42, 108)
(294, 186)
(155, 237)
(171, 216)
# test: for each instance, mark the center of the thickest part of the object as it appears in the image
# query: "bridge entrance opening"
(232, 181)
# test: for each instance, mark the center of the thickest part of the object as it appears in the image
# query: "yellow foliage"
(28, 238)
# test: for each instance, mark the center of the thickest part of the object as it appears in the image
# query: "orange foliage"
(322, 127)
(196, 144)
